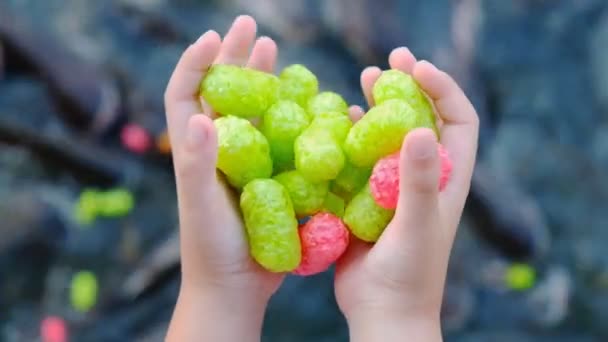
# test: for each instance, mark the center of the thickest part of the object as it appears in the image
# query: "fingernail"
(421, 148)
(196, 135)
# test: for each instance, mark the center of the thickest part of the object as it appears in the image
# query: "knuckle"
(186, 166)
(424, 186)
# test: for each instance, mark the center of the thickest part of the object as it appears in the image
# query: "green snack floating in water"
(395, 84)
(234, 90)
(297, 84)
(282, 124)
(364, 218)
(520, 277)
(86, 209)
(271, 225)
(319, 156)
(307, 197)
(334, 204)
(326, 101)
(381, 131)
(83, 291)
(115, 203)
(244, 154)
(350, 180)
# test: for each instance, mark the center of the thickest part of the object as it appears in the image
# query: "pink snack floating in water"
(384, 181)
(53, 329)
(135, 138)
(324, 239)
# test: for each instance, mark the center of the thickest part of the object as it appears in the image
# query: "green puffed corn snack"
(335, 122)
(318, 155)
(350, 180)
(297, 84)
(271, 225)
(326, 101)
(381, 131)
(243, 152)
(395, 84)
(282, 124)
(234, 90)
(87, 207)
(334, 204)
(83, 291)
(115, 203)
(364, 218)
(307, 197)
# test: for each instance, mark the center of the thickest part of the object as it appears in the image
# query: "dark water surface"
(536, 71)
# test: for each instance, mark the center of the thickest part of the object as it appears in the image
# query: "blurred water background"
(530, 260)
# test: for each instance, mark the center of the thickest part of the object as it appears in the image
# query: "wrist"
(387, 325)
(217, 314)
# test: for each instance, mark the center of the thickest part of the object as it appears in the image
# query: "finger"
(238, 41)
(264, 55)
(181, 96)
(418, 183)
(402, 59)
(355, 113)
(459, 133)
(368, 78)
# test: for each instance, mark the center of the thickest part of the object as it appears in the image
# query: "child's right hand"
(393, 291)
(224, 293)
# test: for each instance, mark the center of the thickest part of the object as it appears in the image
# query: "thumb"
(419, 169)
(410, 243)
(195, 162)
(198, 189)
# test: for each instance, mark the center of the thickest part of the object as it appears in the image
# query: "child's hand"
(224, 292)
(394, 289)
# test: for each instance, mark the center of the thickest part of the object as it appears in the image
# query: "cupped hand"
(217, 270)
(401, 277)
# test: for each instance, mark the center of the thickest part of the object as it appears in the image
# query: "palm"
(213, 234)
(415, 246)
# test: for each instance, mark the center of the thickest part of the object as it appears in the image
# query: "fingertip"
(402, 59)
(423, 71)
(264, 54)
(200, 132)
(419, 150)
(267, 40)
(245, 18)
(368, 78)
(237, 41)
(246, 21)
(355, 112)
(370, 72)
(422, 133)
(209, 36)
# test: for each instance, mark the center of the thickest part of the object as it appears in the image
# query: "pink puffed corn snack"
(324, 239)
(384, 181)
(446, 167)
